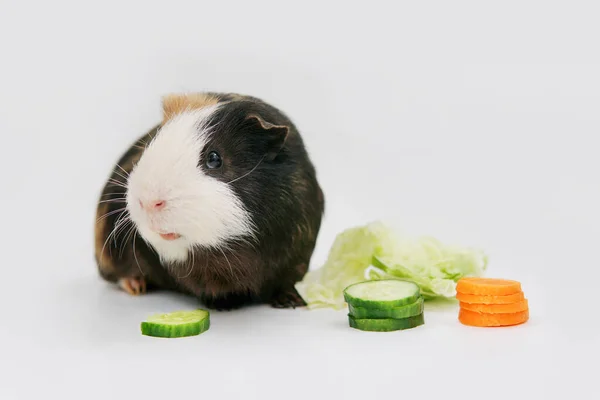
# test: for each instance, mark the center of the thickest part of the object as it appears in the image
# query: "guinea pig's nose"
(158, 204)
(154, 205)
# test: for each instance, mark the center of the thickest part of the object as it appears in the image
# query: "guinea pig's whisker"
(123, 169)
(191, 268)
(111, 213)
(112, 233)
(115, 182)
(230, 267)
(113, 194)
(128, 236)
(115, 191)
(114, 185)
(135, 255)
(145, 144)
(120, 175)
(118, 183)
(248, 241)
(248, 173)
(120, 226)
(119, 200)
(234, 255)
(122, 217)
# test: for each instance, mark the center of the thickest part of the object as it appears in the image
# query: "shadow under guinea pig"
(99, 313)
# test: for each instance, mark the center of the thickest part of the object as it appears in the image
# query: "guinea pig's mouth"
(170, 236)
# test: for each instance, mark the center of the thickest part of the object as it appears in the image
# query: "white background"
(476, 122)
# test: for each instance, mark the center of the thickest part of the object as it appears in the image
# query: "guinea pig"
(220, 201)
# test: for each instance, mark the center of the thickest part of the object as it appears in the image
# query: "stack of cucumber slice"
(384, 305)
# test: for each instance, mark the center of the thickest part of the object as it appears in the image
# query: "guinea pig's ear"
(275, 135)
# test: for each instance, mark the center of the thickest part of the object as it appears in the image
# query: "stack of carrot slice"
(487, 302)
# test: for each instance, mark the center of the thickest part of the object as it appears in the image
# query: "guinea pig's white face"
(173, 203)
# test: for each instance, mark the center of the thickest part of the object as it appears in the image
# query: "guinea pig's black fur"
(271, 172)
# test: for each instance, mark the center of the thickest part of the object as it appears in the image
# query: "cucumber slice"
(409, 310)
(381, 294)
(177, 324)
(386, 325)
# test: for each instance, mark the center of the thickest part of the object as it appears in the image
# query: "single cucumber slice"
(381, 294)
(177, 324)
(406, 311)
(386, 325)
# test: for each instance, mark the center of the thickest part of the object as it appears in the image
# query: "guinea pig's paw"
(287, 299)
(133, 286)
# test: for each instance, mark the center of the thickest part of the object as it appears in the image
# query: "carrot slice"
(471, 318)
(475, 299)
(496, 308)
(488, 286)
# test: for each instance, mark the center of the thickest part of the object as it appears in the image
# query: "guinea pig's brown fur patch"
(174, 104)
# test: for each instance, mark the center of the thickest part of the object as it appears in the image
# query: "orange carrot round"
(476, 299)
(487, 286)
(471, 318)
(496, 308)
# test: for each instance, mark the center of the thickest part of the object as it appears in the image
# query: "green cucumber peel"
(177, 324)
(409, 310)
(386, 325)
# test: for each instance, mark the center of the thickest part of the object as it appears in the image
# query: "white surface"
(474, 122)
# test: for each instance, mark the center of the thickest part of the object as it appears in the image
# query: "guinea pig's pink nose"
(154, 205)
(158, 204)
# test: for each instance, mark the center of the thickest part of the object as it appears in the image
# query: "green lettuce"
(375, 251)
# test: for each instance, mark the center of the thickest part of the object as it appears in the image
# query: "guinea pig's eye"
(213, 160)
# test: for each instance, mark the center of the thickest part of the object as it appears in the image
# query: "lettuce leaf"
(375, 251)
